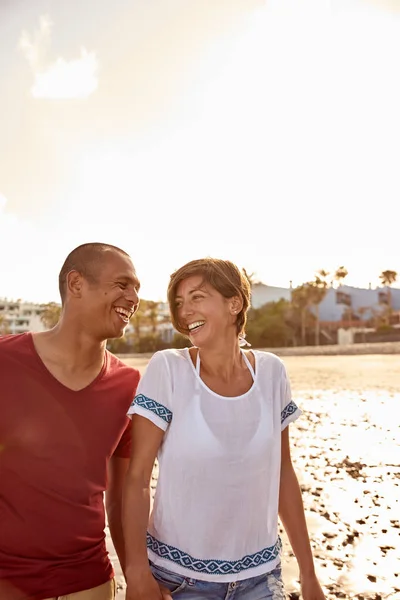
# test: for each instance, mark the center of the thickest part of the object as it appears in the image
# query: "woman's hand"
(311, 588)
(145, 587)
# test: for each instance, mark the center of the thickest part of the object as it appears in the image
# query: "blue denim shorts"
(263, 587)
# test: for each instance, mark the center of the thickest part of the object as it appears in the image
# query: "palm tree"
(139, 319)
(152, 315)
(339, 275)
(145, 322)
(50, 315)
(362, 311)
(388, 278)
(301, 301)
(4, 329)
(319, 288)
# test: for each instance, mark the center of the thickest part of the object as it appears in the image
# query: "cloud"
(36, 46)
(68, 79)
(61, 79)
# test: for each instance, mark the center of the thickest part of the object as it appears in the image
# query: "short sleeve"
(123, 449)
(289, 409)
(154, 393)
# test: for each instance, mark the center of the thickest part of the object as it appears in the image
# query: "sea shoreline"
(328, 350)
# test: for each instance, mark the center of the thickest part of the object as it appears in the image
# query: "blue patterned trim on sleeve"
(213, 566)
(155, 407)
(288, 410)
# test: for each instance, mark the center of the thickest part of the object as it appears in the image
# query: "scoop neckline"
(210, 391)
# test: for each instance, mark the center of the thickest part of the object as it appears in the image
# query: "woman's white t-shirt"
(215, 512)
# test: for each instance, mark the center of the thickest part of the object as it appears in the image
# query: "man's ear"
(74, 284)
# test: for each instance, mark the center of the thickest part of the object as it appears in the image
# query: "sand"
(346, 452)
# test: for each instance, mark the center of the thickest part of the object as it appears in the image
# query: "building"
(17, 316)
(165, 328)
(262, 294)
(351, 303)
(339, 304)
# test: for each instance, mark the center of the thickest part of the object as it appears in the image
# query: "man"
(64, 436)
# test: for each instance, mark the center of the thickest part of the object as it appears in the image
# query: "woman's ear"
(236, 305)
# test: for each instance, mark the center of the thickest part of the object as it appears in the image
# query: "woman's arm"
(146, 440)
(291, 512)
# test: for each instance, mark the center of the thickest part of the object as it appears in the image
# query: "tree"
(268, 325)
(301, 301)
(339, 275)
(180, 341)
(51, 314)
(387, 279)
(118, 345)
(4, 328)
(138, 319)
(146, 335)
(319, 288)
(362, 311)
(153, 309)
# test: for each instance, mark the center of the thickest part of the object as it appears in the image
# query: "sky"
(261, 131)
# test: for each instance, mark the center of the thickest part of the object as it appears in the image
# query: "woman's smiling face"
(202, 311)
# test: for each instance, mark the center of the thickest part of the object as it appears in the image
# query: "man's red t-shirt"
(54, 448)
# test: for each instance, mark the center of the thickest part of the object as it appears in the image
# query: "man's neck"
(70, 345)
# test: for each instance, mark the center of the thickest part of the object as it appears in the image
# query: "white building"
(165, 327)
(262, 293)
(17, 316)
(361, 301)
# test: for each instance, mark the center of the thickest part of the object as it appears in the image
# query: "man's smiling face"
(112, 298)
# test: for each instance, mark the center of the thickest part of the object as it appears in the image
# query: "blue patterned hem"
(288, 410)
(155, 407)
(212, 566)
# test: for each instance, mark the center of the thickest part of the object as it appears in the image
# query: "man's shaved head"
(86, 260)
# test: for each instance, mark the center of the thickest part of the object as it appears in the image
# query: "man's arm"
(117, 470)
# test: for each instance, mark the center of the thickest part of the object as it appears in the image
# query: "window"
(343, 298)
(383, 298)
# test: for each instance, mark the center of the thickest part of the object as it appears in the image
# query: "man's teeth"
(123, 313)
(195, 325)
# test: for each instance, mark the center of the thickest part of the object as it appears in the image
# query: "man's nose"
(132, 295)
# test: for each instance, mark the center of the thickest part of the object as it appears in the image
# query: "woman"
(217, 418)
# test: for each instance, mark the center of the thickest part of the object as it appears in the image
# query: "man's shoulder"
(13, 341)
(118, 367)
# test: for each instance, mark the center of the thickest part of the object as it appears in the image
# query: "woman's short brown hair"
(223, 276)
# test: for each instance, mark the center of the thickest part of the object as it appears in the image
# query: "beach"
(346, 452)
